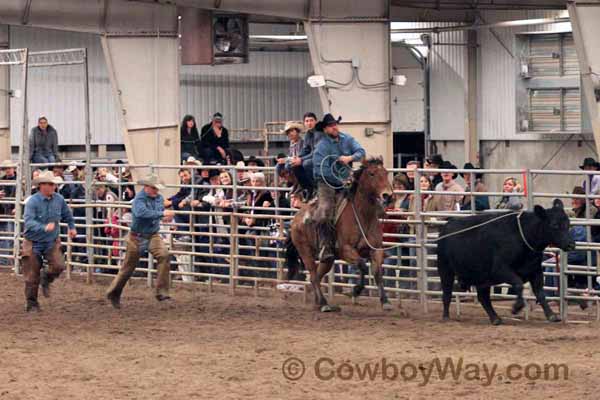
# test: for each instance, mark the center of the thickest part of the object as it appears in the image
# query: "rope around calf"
(362, 232)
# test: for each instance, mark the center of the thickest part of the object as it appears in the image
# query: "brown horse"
(366, 198)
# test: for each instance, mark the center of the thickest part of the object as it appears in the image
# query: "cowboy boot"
(31, 292)
(45, 282)
(327, 243)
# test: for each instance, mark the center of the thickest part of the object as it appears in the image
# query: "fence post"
(564, 303)
(234, 245)
(18, 215)
(529, 178)
(89, 231)
(419, 250)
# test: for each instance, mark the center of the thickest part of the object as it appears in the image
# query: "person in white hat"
(147, 211)
(43, 212)
(293, 162)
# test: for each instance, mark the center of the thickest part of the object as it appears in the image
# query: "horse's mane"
(371, 161)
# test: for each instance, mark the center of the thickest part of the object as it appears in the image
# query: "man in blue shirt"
(335, 150)
(147, 211)
(43, 212)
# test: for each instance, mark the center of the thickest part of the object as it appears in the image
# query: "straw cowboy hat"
(152, 180)
(72, 166)
(8, 164)
(47, 177)
(292, 125)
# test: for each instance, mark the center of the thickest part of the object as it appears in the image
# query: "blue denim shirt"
(147, 212)
(344, 145)
(40, 211)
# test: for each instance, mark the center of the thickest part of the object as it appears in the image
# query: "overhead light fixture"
(316, 81)
(399, 80)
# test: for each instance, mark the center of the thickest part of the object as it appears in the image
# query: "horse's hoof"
(387, 306)
(517, 307)
(115, 301)
(330, 308)
(554, 318)
(445, 318)
(162, 297)
(497, 322)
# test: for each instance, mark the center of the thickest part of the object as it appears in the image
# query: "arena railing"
(215, 247)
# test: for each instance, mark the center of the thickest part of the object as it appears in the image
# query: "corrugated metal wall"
(271, 87)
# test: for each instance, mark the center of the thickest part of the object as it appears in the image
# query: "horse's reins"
(362, 231)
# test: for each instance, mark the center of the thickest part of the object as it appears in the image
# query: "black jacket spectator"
(190, 139)
(210, 141)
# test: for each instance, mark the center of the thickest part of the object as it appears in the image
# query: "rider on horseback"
(335, 147)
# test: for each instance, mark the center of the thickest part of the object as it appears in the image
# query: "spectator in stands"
(253, 226)
(311, 139)
(578, 234)
(181, 201)
(589, 164)
(434, 162)
(128, 193)
(34, 175)
(65, 188)
(43, 143)
(214, 140)
(7, 211)
(481, 202)
(400, 202)
(253, 161)
(77, 193)
(596, 215)
(182, 239)
(448, 202)
(189, 137)
(293, 162)
(102, 196)
(510, 185)
(411, 166)
(578, 204)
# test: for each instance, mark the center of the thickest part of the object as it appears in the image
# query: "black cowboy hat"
(328, 119)
(589, 162)
(448, 165)
(435, 159)
(257, 161)
(471, 166)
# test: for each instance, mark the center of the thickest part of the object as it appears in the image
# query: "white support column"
(144, 74)
(5, 144)
(471, 134)
(350, 45)
(586, 33)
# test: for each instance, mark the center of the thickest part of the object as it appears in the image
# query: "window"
(549, 82)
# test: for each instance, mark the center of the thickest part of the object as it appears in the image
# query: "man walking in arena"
(147, 211)
(43, 212)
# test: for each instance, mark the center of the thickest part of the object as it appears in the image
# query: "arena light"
(399, 80)
(316, 81)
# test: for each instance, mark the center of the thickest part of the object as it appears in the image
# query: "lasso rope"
(362, 231)
(335, 172)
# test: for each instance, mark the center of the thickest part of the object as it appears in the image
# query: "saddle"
(341, 200)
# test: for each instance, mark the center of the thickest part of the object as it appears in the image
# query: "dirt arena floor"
(214, 346)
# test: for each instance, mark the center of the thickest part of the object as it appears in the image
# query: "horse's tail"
(293, 259)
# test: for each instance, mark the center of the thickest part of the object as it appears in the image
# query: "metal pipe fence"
(221, 236)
